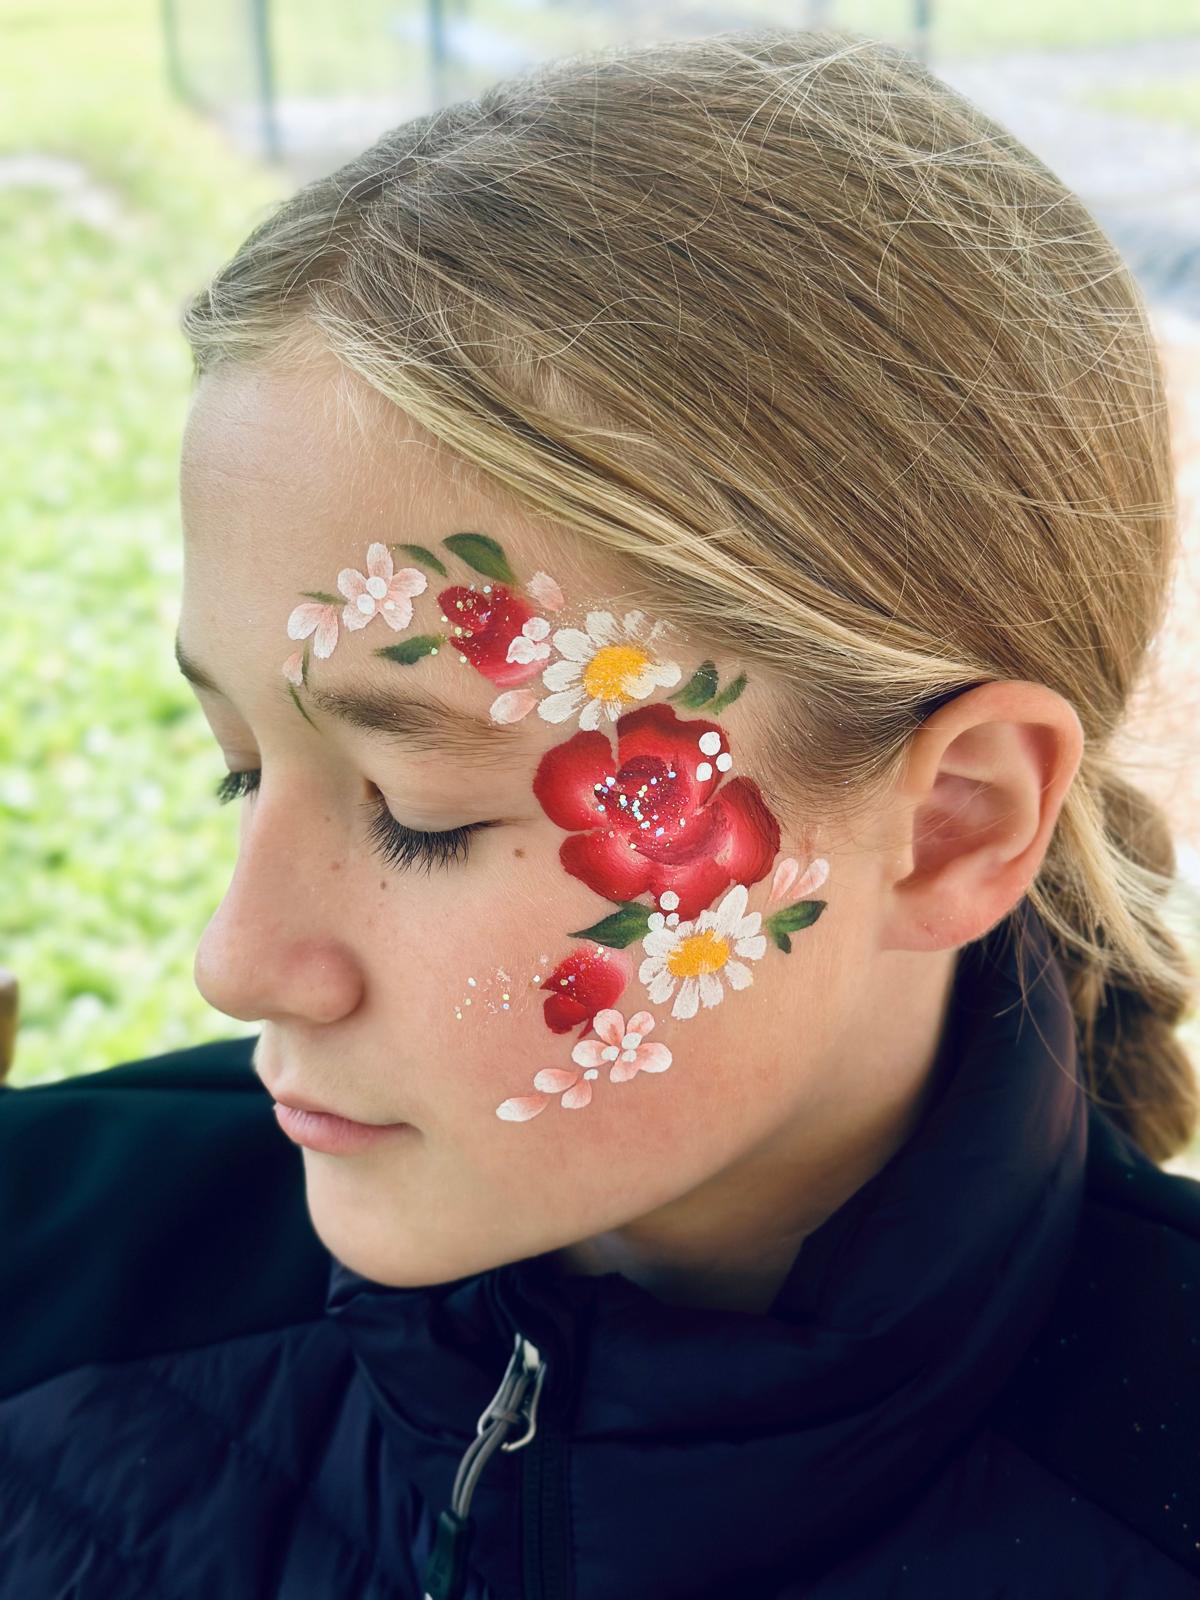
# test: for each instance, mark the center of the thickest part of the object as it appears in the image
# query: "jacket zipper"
(516, 1400)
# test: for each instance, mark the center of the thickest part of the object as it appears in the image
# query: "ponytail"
(1131, 980)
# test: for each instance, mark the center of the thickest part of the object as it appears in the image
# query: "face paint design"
(656, 817)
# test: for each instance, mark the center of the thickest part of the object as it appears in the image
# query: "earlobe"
(981, 794)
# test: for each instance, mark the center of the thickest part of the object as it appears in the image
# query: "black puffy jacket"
(979, 1381)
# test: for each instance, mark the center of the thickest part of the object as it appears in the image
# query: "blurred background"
(139, 143)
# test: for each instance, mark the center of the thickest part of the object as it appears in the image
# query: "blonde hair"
(841, 370)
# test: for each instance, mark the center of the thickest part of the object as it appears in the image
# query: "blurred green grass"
(115, 852)
(1175, 101)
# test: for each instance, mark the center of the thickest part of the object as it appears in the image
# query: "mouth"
(296, 1102)
(332, 1134)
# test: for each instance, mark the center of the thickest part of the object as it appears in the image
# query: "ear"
(982, 788)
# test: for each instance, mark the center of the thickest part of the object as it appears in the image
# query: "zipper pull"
(445, 1571)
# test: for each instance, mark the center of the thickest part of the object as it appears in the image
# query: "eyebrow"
(421, 725)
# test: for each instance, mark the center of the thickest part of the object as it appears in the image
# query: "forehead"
(288, 476)
(306, 465)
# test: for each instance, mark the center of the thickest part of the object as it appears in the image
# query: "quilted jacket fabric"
(979, 1381)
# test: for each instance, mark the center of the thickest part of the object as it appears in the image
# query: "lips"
(299, 1103)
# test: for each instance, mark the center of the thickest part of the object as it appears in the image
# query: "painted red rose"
(590, 980)
(490, 622)
(647, 820)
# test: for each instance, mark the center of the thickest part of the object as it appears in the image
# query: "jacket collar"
(901, 1317)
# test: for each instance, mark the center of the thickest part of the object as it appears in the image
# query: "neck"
(729, 1242)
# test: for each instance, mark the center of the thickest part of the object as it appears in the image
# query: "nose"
(278, 947)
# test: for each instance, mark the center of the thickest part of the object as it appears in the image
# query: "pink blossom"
(788, 881)
(382, 591)
(621, 1046)
(542, 588)
(311, 616)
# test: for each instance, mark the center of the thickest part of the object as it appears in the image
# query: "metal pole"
(261, 44)
(438, 54)
(923, 22)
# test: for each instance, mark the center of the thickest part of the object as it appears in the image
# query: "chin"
(376, 1249)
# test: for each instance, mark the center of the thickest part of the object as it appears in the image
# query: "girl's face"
(505, 874)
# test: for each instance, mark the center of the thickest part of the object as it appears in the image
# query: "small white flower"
(529, 644)
(606, 668)
(696, 956)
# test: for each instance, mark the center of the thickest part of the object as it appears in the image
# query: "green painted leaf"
(802, 914)
(325, 599)
(700, 687)
(300, 706)
(622, 928)
(728, 694)
(409, 650)
(482, 553)
(419, 553)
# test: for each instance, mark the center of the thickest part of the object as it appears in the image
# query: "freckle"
(519, 852)
(335, 866)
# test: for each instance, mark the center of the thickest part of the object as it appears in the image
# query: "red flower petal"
(566, 779)
(697, 884)
(587, 981)
(753, 831)
(489, 622)
(606, 864)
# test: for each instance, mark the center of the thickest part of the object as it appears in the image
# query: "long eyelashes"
(401, 847)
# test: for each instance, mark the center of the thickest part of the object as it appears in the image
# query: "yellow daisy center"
(611, 668)
(699, 952)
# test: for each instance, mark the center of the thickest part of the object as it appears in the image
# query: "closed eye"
(400, 846)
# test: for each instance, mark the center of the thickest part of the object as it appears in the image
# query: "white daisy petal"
(659, 941)
(731, 910)
(666, 673)
(574, 644)
(634, 623)
(711, 991)
(748, 925)
(753, 949)
(642, 683)
(601, 627)
(650, 968)
(589, 717)
(662, 988)
(561, 674)
(687, 1001)
(740, 977)
(558, 707)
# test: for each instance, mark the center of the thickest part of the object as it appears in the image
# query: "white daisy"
(701, 954)
(607, 667)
